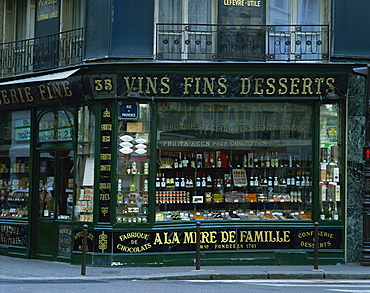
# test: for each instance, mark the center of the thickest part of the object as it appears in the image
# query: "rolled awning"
(45, 77)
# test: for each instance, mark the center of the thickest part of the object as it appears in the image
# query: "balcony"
(42, 53)
(206, 42)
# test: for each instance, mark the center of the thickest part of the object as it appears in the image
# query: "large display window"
(234, 161)
(330, 173)
(84, 201)
(133, 163)
(15, 135)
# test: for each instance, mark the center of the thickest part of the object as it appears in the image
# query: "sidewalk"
(35, 270)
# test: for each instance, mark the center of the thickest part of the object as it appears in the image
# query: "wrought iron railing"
(209, 42)
(46, 52)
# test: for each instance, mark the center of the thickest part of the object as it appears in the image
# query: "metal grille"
(46, 52)
(242, 42)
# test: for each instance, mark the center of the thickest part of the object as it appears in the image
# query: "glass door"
(55, 203)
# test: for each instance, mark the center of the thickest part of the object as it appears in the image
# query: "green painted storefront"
(101, 145)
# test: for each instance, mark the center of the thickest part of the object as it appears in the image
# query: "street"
(163, 286)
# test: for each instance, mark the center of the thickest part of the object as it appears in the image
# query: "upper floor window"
(274, 30)
(186, 11)
(19, 20)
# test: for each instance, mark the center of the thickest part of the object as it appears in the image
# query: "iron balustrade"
(46, 52)
(211, 42)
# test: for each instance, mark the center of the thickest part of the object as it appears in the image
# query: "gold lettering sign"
(242, 86)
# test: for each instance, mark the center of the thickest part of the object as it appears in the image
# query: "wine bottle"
(185, 161)
(192, 160)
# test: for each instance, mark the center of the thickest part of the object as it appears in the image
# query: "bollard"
(197, 247)
(316, 246)
(84, 248)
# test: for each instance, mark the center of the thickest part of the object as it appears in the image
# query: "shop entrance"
(55, 204)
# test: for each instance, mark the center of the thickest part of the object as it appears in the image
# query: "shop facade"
(256, 153)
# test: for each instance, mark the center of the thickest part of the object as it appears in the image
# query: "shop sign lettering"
(238, 239)
(42, 93)
(232, 86)
(233, 143)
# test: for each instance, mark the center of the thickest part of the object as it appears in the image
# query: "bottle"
(182, 181)
(192, 160)
(209, 181)
(133, 168)
(185, 161)
(199, 161)
(262, 160)
(322, 213)
(245, 162)
(191, 182)
(163, 181)
(272, 163)
(267, 160)
(289, 180)
(255, 160)
(292, 180)
(270, 181)
(177, 180)
(198, 181)
(237, 163)
(128, 169)
(335, 212)
(180, 160)
(158, 181)
(204, 182)
(276, 160)
(219, 161)
(298, 179)
(176, 163)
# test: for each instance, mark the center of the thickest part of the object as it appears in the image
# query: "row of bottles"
(329, 211)
(220, 159)
(202, 179)
(300, 179)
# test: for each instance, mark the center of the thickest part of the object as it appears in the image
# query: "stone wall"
(355, 164)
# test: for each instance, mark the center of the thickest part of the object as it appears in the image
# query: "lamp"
(331, 93)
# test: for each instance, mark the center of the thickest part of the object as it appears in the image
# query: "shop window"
(133, 163)
(84, 201)
(331, 169)
(15, 137)
(232, 161)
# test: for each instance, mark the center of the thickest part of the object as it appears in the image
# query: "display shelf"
(233, 184)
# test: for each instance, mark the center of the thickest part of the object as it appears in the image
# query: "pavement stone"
(12, 268)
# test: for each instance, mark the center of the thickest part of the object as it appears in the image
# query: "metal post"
(84, 248)
(316, 246)
(197, 247)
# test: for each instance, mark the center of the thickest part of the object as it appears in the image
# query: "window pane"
(279, 12)
(200, 11)
(308, 12)
(14, 163)
(170, 11)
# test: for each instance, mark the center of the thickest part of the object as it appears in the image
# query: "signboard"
(128, 111)
(243, 86)
(237, 239)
